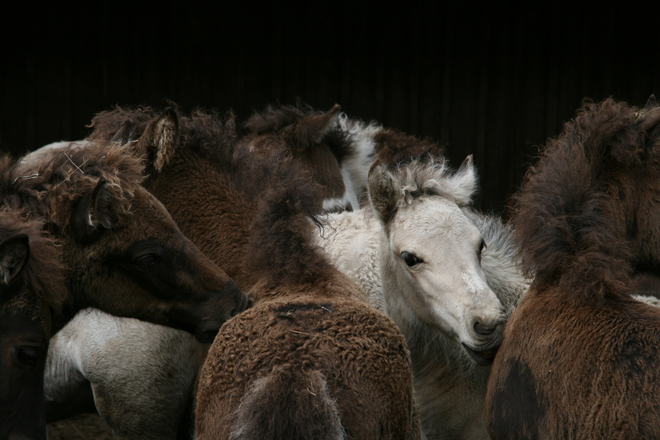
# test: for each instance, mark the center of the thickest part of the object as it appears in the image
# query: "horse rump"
(290, 403)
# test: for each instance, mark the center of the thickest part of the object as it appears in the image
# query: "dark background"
(493, 80)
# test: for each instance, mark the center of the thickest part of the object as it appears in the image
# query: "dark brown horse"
(579, 358)
(31, 289)
(121, 250)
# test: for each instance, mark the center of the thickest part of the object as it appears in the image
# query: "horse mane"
(274, 119)
(282, 244)
(43, 271)
(565, 215)
(52, 190)
(397, 148)
(205, 133)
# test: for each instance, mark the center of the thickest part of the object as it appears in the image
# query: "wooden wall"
(494, 81)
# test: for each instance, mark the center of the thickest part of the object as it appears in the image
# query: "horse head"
(31, 287)
(433, 253)
(123, 252)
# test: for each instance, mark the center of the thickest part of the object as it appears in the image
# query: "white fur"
(436, 303)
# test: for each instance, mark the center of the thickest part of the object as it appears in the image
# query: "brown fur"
(398, 148)
(352, 358)
(579, 358)
(31, 289)
(94, 205)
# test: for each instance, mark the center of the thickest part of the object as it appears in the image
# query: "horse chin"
(483, 358)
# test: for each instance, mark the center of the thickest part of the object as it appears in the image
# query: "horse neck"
(350, 242)
(209, 211)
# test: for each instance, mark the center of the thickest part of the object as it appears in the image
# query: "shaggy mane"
(282, 244)
(564, 214)
(276, 118)
(52, 189)
(205, 133)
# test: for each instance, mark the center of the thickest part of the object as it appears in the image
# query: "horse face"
(23, 349)
(435, 252)
(24, 337)
(145, 268)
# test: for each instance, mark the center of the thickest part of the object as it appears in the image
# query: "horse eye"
(410, 259)
(27, 355)
(146, 261)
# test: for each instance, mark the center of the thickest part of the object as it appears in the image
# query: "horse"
(447, 275)
(579, 356)
(32, 289)
(122, 251)
(311, 358)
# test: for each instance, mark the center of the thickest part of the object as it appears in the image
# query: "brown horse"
(199, 176)
(121, 250)
(31, 289)
(579, 358)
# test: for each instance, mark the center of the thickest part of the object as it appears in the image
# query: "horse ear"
(159, 140)
(383, 192)
(92, 214)
(465, 182)
(14, 253)
(125, 133)
(312, 129)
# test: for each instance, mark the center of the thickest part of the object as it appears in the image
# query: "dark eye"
(410, 259)
(146, 261)
(27, 355)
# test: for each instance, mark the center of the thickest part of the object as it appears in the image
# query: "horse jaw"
(448, 291)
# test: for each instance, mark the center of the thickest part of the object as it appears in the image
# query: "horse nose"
(486, 328)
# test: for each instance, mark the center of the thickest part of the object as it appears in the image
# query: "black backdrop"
(488, 79)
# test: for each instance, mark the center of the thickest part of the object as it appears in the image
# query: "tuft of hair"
(52, 189)
(288, 405)
(429, 176)
(275, 119)
(282, 243)
(397, 148)
(563, 214)
(206, 132)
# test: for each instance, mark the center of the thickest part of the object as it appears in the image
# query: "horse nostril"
(484, 329)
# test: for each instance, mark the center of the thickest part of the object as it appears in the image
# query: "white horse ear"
(14, 253)
(159, 140)
(383, 192)
(465, 182)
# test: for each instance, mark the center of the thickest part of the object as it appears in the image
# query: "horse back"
(607, 355)
(307, 368)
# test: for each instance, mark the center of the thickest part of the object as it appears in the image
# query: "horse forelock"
(428, 178)
(52, 189)
(44, 272)
(567, 221)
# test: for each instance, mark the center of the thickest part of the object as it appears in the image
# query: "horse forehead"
(435, 217)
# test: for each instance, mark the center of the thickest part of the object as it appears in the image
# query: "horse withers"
(579, 357)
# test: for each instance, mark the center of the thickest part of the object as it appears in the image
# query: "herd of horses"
(305, 275)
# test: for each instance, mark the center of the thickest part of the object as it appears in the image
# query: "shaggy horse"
(121, 249)
(311, 359)
(579, 357)
(444, 273)
(31, 289)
